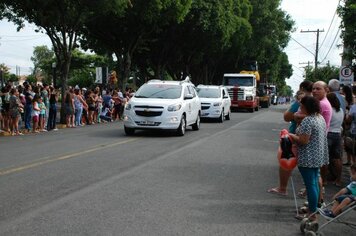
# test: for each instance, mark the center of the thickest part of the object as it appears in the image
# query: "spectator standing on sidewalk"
(35, 113)
(43, 111)
(320, 90)
(335, 139)
(52, 114)
(79, 105)
(69, 106)
(29, 95)
(5, 96)
(312, 146)
(15, 111)
(45, 99)
(334, 87)
(306, 88)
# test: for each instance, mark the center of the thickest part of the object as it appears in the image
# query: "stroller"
(311, 228)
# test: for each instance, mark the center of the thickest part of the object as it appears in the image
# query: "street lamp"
(54, 65)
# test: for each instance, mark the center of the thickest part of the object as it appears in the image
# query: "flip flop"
(276, 191)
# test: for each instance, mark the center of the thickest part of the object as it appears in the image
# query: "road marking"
(61, 158)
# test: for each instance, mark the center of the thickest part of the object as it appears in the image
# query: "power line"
(331, 46)
(303, 46)
(327, 32)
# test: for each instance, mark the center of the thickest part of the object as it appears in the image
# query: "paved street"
(95, 180)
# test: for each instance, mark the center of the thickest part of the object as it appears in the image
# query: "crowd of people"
(322, 127)
(34, 108)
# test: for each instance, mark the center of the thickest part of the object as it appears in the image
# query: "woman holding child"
(311, 140)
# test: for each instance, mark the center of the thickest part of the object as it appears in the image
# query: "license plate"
(147, 122)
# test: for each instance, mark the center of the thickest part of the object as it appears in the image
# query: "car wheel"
(221, 117)
(129, 131)
(196, 125)
(227, 117)
(182, 127)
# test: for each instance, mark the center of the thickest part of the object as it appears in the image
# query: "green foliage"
(325, 73)
(42, 60)
(347, 12)
(31, 79)
(159, 38)
(285, 91)
(82, 78)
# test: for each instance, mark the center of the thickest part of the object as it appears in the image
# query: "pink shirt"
(326, 111)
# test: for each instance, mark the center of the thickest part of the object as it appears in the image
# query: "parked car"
(215, 102)
(168, 105)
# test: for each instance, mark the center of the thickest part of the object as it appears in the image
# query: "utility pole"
(316, 48)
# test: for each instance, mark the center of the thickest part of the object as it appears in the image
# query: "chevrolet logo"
(146, 110)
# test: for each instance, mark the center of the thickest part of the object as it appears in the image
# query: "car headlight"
(217, 104)
(175, 107)
(128, 106)
(249, 98)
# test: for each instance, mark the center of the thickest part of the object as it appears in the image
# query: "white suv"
(215, 102)
(161, 104)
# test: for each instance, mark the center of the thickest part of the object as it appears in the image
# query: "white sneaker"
(55, 129)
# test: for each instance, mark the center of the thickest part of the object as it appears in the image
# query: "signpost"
(346, 75)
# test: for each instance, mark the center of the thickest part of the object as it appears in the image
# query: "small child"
(35, 113)
(42, 116)
(343, 198)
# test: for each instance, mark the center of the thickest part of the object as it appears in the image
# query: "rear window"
(208, 92)
(160, 91)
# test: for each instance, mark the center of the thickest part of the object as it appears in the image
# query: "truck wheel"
(257, 108)
(252, 110)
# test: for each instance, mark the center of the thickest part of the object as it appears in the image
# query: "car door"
(194, 103)
(226, 100)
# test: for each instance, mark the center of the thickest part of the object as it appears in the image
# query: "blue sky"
(16, 48)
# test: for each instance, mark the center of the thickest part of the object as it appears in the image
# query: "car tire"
(196, 125)
(227, 117)
(182, 126)
(129, 131)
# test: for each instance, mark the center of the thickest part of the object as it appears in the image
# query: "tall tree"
(61, 20)
(123, 34)
(347, 12)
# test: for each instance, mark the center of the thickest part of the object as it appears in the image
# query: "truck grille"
(240, 94)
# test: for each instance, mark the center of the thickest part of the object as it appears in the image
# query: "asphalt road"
(94, 180)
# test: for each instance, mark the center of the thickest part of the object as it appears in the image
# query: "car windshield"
(209, 92)
(162, 91)
(239, 81)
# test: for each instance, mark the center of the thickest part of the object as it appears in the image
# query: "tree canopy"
(165, 38)
(347, 12)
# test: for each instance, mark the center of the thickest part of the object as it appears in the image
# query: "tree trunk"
(64, 78)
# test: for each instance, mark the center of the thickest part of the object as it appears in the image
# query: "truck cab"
(242, 88)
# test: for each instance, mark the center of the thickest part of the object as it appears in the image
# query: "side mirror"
(188, 96)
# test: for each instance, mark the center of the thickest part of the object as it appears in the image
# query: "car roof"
(210, 86)
(172, 82)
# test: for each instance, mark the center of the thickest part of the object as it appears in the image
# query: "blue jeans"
(311, 181)
(28, 111)
(78, 116)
